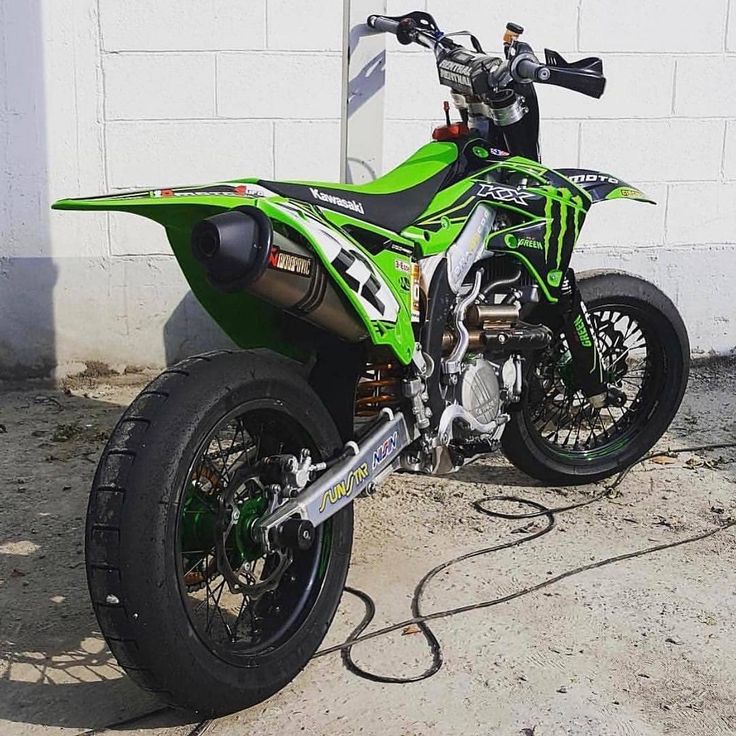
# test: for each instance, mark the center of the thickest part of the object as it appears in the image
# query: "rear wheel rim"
(230, 624)
(560, 419)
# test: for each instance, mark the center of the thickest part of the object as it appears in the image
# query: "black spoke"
(232, 586)
(563, 417)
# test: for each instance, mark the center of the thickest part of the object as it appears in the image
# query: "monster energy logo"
(562, 211)
(344, 487)
(582, 331)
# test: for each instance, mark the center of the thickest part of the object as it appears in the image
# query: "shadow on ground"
(55, 669)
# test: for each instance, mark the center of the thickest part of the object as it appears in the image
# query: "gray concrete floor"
(642, 647)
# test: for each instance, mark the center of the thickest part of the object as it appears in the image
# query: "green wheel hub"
(199, 527)
(250, 511)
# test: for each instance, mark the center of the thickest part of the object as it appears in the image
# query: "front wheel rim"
(560, 419)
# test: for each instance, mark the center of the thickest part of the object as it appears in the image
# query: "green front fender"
(603, 187)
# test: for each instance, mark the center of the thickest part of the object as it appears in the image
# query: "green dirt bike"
(410, 324)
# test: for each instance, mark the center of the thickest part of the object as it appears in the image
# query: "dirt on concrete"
(645, 646)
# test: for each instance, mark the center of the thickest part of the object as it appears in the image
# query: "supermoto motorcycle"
(409, 324)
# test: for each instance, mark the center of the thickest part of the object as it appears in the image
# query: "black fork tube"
(521, 137)
(586, 359)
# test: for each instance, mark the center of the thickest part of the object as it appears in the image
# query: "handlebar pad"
(467, 72)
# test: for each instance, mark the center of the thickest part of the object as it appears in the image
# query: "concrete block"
(552, 24)
(559, 143)
(704, 83)
(729, 160)
(654, 150)
(398, 7)
(273, 85)
(27, 332)
(172, 25)
(413, 91)
(627, 223)
(159, 86)
(638, 86)
(701, 213)
(401, 139)
(695, 278)
(306, 150)
(178, 153)
(305, 25)
(50, 134)
(656, 26)
(132, 235)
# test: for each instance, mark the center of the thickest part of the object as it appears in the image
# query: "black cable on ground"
(357, 636)
(421, 620)
(197, 730)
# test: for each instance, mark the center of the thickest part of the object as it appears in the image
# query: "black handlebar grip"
(528, 69)
(383, 24)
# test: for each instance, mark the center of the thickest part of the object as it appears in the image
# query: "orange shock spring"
(379, 386)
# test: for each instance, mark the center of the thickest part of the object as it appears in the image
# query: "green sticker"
(554, 278)
(514, 243)
(480, 152)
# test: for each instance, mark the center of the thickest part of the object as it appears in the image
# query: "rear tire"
(667, 371)
(140, 594)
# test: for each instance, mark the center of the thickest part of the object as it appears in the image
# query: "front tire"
(152, 513)
(541, 440)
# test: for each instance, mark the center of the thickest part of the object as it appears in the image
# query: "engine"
(479, 390)
(482, 371)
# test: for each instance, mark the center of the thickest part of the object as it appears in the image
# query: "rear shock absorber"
(379, 387)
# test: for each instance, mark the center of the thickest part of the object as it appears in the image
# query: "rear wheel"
(556, 435)
(191, 605)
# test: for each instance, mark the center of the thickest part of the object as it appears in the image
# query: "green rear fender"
(247, 320)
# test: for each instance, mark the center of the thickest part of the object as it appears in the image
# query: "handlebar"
(526, 68)
(383, 24)
(521, 66)
(416, 27)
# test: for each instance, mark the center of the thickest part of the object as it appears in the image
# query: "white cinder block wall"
(106, 95)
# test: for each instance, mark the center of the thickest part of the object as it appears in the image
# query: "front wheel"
(556, 435)
(190, 604)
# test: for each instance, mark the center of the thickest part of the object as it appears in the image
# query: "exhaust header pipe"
(240, 250)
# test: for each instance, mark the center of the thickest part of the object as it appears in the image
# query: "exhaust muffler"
(240, 250)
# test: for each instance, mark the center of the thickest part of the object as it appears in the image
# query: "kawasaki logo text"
(348, 204)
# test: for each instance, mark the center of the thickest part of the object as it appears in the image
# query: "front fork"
(587, 369)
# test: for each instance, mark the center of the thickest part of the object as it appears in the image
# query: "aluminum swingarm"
(360, 467)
